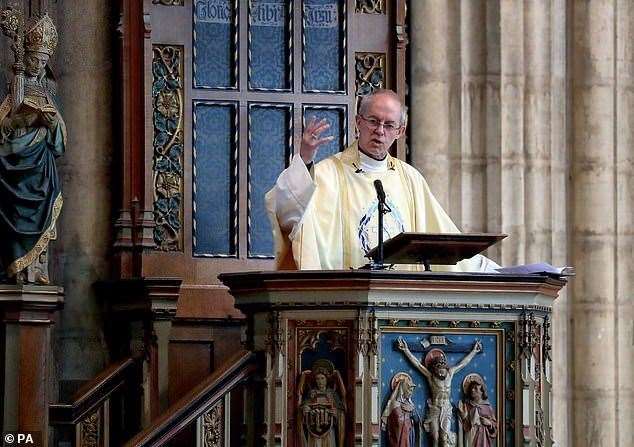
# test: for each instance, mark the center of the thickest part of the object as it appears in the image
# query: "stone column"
(594, 365)
(559, 174)
(499, 163)
(470, 160)
(624, 159)
(80, 256)
(537, 132)
(512, 170)
(435, 93)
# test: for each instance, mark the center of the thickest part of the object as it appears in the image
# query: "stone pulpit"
(394, 358)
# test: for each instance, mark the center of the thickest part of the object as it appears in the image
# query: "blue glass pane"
(215, 43)
(269, 140)
(214, 197)
(323, 45)
(336, 118)
(269, 65)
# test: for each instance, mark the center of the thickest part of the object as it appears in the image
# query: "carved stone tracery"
(367, 334)
(370, 69)
(275, 337)
(528, 336)
(547, 341)
(169, 2)
(89, 432)
(309, 338)
(213, 426)
(370, 6)
(167, 96)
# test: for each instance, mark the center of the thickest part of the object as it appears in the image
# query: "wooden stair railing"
(105, 411)
(220, 406)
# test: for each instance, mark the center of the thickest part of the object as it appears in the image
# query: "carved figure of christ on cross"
(439, 376)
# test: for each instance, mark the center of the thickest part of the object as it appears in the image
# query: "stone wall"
(84, 68)
(522, 124)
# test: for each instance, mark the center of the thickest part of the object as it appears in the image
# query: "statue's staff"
(12, 24)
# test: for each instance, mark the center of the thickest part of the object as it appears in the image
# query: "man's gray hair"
(365, 102)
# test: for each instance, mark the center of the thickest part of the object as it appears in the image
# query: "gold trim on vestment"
(345, 217)
(23, 262)
(5, 107)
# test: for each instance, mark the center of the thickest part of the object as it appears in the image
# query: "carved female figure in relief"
(400, 420)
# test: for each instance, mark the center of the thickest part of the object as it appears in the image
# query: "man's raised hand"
(311, 139)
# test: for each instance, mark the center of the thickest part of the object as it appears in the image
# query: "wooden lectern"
(361, 357)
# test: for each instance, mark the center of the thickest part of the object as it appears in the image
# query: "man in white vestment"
(324, 215)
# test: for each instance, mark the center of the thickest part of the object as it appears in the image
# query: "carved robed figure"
(439, 412)
(32, 136)
(477, 417)
(321, 406)
(400, 420)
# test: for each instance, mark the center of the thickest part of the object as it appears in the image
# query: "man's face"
(440, 368)
(440, 371)
(34, 63)
(380, 126)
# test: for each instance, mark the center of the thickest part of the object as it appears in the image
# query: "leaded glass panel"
(215, 179)
(270, 44)
(324, 55)
(215, 44)
(270, 145)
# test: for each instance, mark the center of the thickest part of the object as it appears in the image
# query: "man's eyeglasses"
(374, 124)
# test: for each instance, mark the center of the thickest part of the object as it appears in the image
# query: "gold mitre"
(40, 35)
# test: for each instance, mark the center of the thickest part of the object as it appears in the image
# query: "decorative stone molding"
(370, 74)
(89, 432)
(370, 6)
(213, 426)
(169, 2)
(168, 120)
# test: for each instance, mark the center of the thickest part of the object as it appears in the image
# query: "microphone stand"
(378, 263)
(383, 208)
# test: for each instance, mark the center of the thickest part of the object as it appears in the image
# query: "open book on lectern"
(451, 248)
(434, 248)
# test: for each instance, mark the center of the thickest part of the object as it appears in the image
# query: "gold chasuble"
(340, 221)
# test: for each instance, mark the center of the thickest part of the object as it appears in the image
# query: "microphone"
(379, 191)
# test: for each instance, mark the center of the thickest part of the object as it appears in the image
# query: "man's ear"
(401, 132)
(357, 125)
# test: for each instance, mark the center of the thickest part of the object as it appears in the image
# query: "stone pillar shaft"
(500, 162)
(435, 96)
(559, 173)
(624, 181)
(593, 223)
